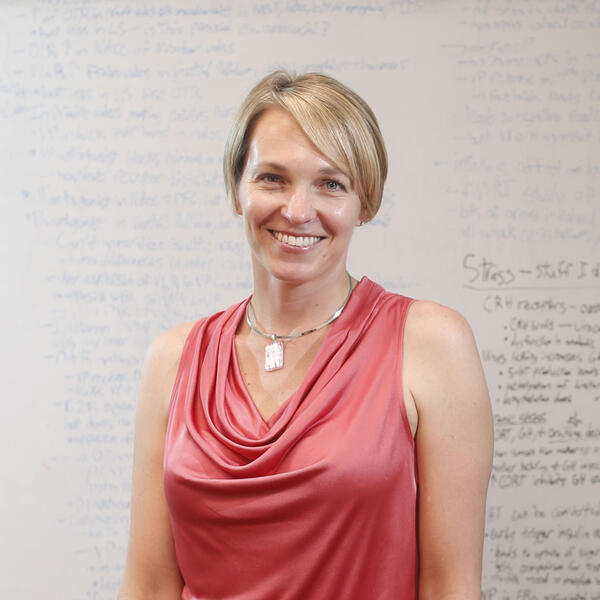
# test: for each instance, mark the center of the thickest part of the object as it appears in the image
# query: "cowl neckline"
(237, 372)
(221, 415)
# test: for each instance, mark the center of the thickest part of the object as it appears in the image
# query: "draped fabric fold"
(318, 501)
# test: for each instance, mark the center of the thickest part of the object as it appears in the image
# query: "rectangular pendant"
(274, 356)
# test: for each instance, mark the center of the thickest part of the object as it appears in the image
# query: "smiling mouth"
(302, 241)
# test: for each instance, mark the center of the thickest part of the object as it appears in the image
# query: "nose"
(299, 208)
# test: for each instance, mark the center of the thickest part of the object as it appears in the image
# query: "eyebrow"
(269, 165)
(279, 167)
(334, 171)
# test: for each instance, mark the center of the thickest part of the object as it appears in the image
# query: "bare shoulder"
(160, 366)
(439, 348)
(434, 323)
(166, 347)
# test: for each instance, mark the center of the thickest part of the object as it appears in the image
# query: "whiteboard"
(115, 227)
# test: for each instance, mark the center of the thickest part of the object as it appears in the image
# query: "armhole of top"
(400, 367)
(191, 336)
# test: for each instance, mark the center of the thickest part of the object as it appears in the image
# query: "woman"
(289, 429)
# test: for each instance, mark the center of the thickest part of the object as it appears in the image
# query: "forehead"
(276, 119)
(277, 136)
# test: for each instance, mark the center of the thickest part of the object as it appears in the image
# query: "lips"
(302, 241)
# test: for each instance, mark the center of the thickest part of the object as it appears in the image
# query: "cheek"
(250, 208)
(346, 217)
(254, 211)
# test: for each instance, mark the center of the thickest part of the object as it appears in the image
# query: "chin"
(295, 277)
(296, 274)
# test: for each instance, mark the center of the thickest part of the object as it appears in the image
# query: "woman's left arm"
(454, 447)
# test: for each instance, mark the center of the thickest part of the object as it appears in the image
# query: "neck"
(286, 308)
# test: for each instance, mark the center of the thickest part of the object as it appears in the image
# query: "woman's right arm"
(151, 571)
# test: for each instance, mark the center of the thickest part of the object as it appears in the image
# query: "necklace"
(274, 350)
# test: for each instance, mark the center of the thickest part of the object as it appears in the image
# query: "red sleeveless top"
(317, 503)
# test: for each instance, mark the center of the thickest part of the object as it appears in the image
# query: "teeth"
(292, 240)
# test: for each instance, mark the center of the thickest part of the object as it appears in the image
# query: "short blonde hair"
(335, 119)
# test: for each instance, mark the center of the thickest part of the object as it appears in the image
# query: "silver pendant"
(274, 356)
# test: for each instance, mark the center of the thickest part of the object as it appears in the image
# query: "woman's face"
(299, 209)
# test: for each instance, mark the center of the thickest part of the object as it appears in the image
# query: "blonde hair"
(333, 117)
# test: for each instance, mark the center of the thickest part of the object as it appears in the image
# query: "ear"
(236, 207)
(362, 217)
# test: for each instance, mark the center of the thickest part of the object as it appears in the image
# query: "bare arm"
(454, 444)
(151, 571)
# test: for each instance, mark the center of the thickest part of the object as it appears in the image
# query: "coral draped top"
(318, 502)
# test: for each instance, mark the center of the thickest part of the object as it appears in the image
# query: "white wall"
(113, 117)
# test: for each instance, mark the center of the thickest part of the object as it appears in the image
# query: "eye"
(269, 178)
(332, 185)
